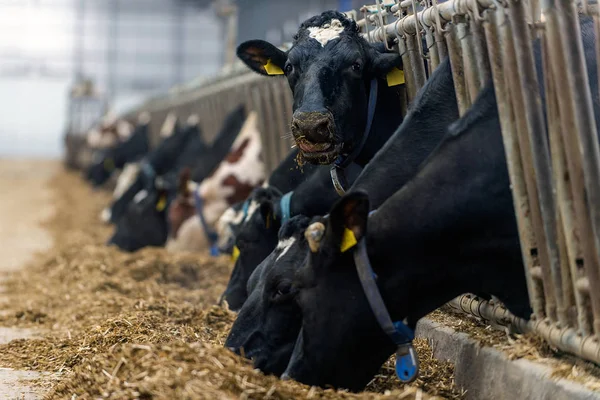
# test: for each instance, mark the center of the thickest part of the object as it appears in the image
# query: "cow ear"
(262, 57)
(384, 62)
(267, 213)
(348, 220)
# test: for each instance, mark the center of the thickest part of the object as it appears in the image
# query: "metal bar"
(566, 339)
(563, 179)
(536, 129)
(579, 133)
(542, 301)
(417, 65)
(446, 11)
(434, 55)
(468, 59)
(512, 151)
(458, 73)
(411, 86)
(479, 50)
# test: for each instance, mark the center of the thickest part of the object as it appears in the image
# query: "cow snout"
(314, 126)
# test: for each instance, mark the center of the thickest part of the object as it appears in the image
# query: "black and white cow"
(394, 165)
(115, 158)
(248, 333)
(285, 178)
(158, 162)
(144, 222)
(257, 236)
(339, 86)
(449, 230)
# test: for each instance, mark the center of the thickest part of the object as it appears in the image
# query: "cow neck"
(210, 233)
(338, 173)
(371, 140)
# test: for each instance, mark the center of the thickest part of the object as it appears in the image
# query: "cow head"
(268, 324)
(102, 167)
(228, 226)
(256, 238)
(337, 321)
(144, 222)
(329, 69)
(182, 207)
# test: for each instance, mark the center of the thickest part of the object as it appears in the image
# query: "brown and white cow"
(241, 170)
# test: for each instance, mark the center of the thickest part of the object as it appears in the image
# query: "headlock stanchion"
(555, 177)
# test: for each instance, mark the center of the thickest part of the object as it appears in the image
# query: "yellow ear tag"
(235, 254)
(395, 77)
(272, 69)
(109, 164)
(348, 240)
(162, 203)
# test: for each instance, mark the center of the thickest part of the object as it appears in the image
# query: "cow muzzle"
(314, 133)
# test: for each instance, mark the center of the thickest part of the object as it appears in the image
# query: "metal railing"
(555, 177)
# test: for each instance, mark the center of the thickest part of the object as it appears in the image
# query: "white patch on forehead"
(126, 179)
(141, 195)
(251, 209)
(329, 31)
(168, 126)
(284, 245)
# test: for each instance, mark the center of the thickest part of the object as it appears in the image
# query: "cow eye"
(356, 67)
(282, 291)
(289, 68)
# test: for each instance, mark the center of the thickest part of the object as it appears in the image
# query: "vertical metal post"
(569, 246)
(543, 301)
(178, 43)
(411, 86)
(536, 130)
(458, 72)
(434, 57)
(112, 49)
(512, 150)
(78, 41)
(579, 135)
(469, 60)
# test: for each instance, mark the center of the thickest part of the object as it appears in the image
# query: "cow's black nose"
(314, 126)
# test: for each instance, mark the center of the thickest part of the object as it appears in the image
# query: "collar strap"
(148, 170)
(284, 204)
(245, 206)
(211, 235)
(407, 362)
(338, 175)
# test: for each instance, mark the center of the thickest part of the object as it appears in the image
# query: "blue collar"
(338, 176)
(284, 204)
(211, 235)
(245, 206)
(407, 361)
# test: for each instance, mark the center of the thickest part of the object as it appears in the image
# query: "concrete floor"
(26, 201)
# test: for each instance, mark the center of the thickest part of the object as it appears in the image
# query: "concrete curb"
(487, 374)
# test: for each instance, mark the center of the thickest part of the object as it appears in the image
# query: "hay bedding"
(143, 325)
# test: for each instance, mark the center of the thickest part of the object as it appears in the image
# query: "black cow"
(144, 222)
(449, 231)
(158, 162)
(268, 324)
(257, 236)
(388, 171)
(332, 70)
(109, 160)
